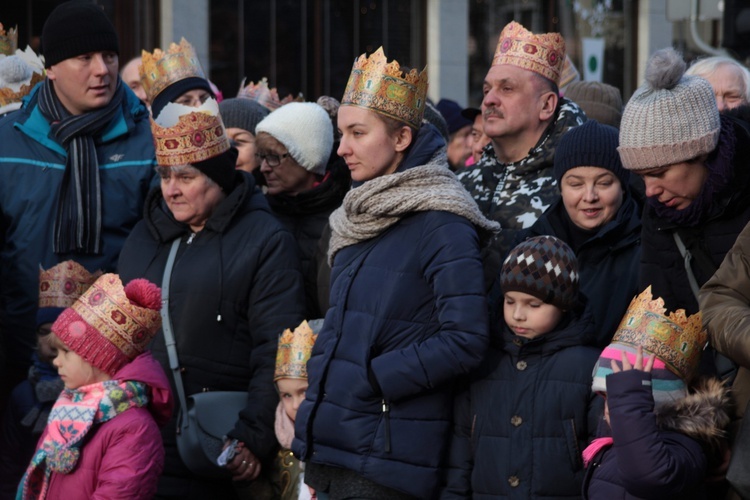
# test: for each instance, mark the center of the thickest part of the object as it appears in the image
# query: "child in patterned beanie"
(521, 424)
(102, 438)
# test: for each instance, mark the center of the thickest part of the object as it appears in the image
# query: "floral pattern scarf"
(75, 412)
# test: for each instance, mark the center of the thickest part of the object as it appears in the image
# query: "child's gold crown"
(161, 69)
(8, 40)
(376, 84)
(265, 96)
(61, 285)
(294, 351)
(676, 339)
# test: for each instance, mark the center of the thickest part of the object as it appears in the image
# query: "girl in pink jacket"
(102, 439)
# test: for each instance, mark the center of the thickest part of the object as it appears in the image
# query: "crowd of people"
(544, 297)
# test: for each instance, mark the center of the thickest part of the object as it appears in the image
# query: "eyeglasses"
(272, 160)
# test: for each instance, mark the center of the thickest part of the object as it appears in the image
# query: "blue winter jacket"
(408, 314)
(527, 416)
(31, 170)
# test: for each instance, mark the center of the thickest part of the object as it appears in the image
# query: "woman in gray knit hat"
(240, 117)
(694, 164)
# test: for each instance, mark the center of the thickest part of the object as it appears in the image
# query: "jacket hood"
(703, 415)
(146, 369)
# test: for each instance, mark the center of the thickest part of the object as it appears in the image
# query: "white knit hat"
(671, 118)
(305, 129)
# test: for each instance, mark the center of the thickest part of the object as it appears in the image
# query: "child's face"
(292, 393)
(45, 350)
(74, 371)
(528, 316)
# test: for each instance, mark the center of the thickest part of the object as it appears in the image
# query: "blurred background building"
(308, 46)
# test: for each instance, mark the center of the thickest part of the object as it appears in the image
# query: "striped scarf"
(75, 412)
(78, 223)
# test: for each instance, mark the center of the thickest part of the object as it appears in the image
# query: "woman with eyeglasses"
(293, 146)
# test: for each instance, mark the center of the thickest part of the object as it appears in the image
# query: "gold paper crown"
(376, 84)
(61, 285)
(185, 135)
(543, 54)
(294, 351)
(676, 339)
(159, 70)
(265, 96)
(8, 40)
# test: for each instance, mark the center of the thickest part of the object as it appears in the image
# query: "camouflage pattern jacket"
(516, 194)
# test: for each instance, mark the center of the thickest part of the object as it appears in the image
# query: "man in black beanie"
(76, 162)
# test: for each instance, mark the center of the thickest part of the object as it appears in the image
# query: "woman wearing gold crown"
(408, 311)
(235, 285)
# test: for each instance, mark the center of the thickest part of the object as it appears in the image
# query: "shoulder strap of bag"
(687, 258)
(166, 325)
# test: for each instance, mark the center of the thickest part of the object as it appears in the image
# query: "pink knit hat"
(109, 326)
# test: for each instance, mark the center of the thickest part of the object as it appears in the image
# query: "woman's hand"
(244, 466)
(638, 362)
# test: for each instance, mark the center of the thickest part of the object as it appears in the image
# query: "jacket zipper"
(190, 238)
(387, 419)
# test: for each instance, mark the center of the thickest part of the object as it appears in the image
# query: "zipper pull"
(387, 420)
(190, 238)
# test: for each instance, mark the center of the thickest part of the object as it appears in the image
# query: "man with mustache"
(524, 117)
(76, 163)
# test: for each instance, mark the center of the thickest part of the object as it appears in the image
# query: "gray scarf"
(376, 205)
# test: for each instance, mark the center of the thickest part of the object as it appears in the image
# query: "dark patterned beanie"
(545, 267)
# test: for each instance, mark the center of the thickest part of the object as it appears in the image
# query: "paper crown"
(543, 54)
(294, 350)
(185, 135)
(265, 96)
(376, 84)
(161, 69)
(61, 285)
(19, 73)
(676, 339)
(8, 40)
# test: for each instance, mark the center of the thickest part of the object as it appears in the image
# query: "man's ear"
(51, 73)
(403, 139)
(549, 105)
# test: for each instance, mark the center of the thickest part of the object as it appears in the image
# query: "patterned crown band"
(265, 96)
(376, 84)
(676, 339)
(543, 54)
(61, 285)
(161, 69)
(8, 40)
(294, 350)
(185, 135)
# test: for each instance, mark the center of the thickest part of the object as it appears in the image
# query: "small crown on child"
(543, 54)
(161, 69)
(265, 96)
(294, 350)
(676, 339)
(382, 86)
(61, 285)
(8, 40)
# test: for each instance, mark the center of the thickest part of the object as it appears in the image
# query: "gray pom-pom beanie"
(305, 130)
(242, 113)
(671, 118)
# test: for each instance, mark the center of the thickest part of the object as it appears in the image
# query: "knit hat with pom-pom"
(110, 325)
(671, 118)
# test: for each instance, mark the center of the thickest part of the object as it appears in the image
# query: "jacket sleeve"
(277, 301)
(451, 264)
(725, 303)
(132, 463)
(460, 456)
(652, 463)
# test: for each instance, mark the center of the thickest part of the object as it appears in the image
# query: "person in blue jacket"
(408, 312)
(529, 411)
(76, 163)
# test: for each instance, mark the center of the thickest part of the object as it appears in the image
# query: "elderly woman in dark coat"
(235, 286)
(408, 309)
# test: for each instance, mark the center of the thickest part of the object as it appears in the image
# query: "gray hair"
(706, 66)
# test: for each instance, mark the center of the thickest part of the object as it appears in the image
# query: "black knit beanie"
(242, 113)
(74, 28)
(590, 145)
(221, 169)
(175, 90)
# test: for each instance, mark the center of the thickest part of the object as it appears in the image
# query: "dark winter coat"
(408, 314)
(529, 413)
(235, 287)
(663, 456)
(608, 263)
(662, 265)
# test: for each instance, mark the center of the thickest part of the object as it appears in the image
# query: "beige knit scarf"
(378, 204)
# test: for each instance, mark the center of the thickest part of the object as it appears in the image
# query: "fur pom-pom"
(14, 70)
(141, 292)
(665, 69)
